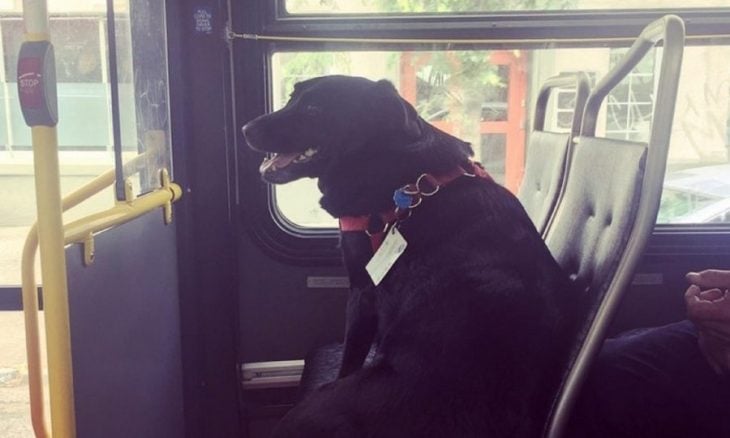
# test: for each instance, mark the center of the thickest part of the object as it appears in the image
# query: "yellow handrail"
(30, 303)
(32, 337)
(121, 213)
(30, 296)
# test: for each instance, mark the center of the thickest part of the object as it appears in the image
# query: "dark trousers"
(653, 383)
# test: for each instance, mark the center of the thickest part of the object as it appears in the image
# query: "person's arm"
(708, 307)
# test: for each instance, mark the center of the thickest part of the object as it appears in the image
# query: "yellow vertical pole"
(50, 235)
(32, 336)
(55, 292)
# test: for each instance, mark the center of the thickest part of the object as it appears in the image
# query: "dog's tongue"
(277, 161)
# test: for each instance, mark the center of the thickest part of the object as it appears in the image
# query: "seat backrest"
(609, 206)
(596, 213)
(548, 152)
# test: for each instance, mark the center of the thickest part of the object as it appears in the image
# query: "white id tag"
(386, 256)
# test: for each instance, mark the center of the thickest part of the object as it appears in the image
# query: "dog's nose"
(249, 132)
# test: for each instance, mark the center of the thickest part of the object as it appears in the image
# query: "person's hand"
(708, 307)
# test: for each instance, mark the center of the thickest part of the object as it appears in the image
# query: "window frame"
(528, 30)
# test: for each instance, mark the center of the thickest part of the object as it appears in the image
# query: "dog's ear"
(399, 114)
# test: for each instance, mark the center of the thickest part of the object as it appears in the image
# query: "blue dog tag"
(402, 200)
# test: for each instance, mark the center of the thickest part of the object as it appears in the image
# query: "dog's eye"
(313, 110)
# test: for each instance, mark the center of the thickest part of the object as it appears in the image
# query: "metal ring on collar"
(417, 203)
(431, 180)
(370, 234)
(410, 189)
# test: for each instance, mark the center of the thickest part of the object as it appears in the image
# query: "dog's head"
(328, 118)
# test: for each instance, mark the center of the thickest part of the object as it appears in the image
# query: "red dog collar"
(407, 198)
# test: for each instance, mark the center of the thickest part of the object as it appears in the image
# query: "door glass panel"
(141, 51)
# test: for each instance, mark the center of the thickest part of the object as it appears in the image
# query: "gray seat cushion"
(544, 169)
(594, 217)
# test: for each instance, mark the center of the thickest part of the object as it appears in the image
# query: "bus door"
(114, 146)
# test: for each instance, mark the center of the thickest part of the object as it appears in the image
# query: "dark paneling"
(657, 295)
(125, 331)
(280, 318)
(190, 322)
(202, 157)
(11, 299)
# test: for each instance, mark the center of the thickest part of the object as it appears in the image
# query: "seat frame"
(533, 166)
(668, 30)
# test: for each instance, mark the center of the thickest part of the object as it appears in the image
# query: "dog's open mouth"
(277, 162)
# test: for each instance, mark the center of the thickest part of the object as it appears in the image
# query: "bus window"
(476, 95)
(476, 6)
(87, 118)
(82, 74)
(485, 98)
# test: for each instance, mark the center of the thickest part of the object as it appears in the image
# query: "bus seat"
(609, 206)
(548, 152)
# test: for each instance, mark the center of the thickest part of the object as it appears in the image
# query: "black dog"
(473, 319)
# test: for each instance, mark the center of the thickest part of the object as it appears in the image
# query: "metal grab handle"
(670, 30)
(577, 80)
